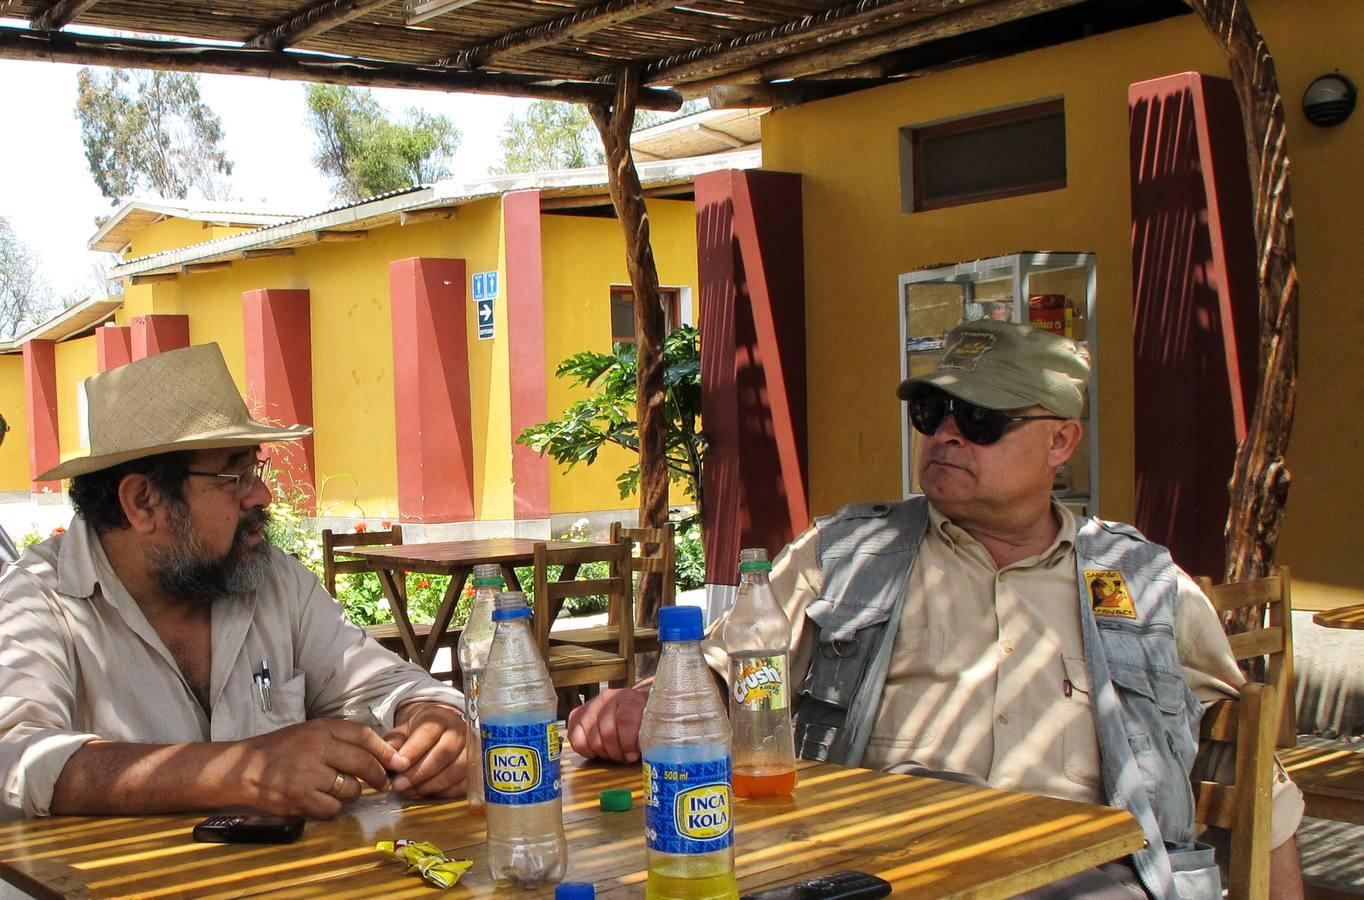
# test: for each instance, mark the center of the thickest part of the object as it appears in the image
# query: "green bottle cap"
(616, 800)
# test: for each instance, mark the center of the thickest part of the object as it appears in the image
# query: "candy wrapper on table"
(427, 860)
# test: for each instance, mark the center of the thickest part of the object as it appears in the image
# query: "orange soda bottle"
(757, 636)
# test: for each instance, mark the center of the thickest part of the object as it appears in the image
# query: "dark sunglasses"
(928, 407)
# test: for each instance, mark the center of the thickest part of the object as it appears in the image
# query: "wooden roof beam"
(265, 252)
(853, 20)
(312, 21)
(533, 37)
(858, 52)
(187, 56)
(324, 236)
(60, 14)
(723, 137)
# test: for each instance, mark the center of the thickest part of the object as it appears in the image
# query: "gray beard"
(186, 571)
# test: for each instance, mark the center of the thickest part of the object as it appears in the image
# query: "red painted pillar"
(431, 390)
(526, 346)
(113, 346)
(40, 402)
(279, 380)
(751, 268)
(1195, 309)
(157, 334)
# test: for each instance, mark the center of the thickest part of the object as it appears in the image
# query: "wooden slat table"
(454, 558)
(928, 838)
(1351, 617)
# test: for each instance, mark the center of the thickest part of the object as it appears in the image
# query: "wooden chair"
(657, 556)
(1271, 644)
(573, 666)
(334, 546)
(1243, 807)
(1331, 780)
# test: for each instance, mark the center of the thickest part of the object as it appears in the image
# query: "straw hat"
(177, 400)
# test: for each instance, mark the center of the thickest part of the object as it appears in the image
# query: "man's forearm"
(1285, 871)
(107, 778)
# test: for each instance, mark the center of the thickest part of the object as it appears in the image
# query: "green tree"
(366, 153)
(24, 297)
(554, 135)
(150, 131)
(608, 415)
(550, 136)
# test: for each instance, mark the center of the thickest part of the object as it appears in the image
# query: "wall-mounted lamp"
(1329, 100)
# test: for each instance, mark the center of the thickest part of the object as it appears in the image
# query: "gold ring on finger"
(338, 786)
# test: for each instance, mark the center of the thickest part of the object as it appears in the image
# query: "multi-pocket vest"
(1146, 717)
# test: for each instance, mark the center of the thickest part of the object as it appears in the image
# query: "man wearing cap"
(958, 632)
(161, 655)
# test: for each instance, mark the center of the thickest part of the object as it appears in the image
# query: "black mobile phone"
(838, 886)
(249, 828)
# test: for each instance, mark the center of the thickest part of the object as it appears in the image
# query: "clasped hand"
(312, 768)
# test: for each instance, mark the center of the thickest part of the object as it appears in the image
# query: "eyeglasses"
(928, 407)
(246, 480)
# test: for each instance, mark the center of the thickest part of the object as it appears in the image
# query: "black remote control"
(838, 886)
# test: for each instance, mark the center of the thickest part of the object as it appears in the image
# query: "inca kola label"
(760, 682)
(703, 812)
(512, 769)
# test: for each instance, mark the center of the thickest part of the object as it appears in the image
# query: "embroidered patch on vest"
(1108, 594)
(970, 346)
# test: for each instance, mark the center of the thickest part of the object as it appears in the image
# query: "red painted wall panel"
(279, 378)
(1195, 309)
(40, 403)
(525, 293)
(157, 334)
(113, 346)
(431, 390)
(751, 266)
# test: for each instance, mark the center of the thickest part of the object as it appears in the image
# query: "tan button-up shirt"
(987, 674)
(79, 661)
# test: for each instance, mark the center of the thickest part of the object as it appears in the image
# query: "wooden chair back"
(1271, 644)
(335, 544)
(657, 558)
(1243, 807)
(618, 667)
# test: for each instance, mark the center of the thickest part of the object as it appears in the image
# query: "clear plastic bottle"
(520, 735)
(757, 636)
(474, 642)
(684, 741)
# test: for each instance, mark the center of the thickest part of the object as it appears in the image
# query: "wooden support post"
(1260, 478)
(627, 195)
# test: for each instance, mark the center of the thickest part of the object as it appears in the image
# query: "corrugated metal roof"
(67, 323)
(388, 208)
(117, 231)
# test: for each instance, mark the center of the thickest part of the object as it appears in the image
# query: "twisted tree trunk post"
(1260, 479)
(615, 123)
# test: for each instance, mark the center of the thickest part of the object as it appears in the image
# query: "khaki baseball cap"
(178, 400)
(1006, 365)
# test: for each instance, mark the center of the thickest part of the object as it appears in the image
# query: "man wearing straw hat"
(161, 655)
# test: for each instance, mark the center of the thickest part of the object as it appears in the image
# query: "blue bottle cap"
(574, 890)
(679, 623)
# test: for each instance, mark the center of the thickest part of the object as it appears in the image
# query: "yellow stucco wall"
(858, 242)
(76, 361)
(577, 317)
(173, 233)
(14, 452)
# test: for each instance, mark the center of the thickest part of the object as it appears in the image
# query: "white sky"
(51, 201)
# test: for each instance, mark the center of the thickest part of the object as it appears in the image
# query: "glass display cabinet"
(1054, 291)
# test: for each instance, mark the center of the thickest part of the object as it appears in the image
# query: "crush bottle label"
(688, 806)
(520, 763)
(759, 682)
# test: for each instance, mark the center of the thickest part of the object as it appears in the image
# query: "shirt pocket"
(1079, 738)
(288, 705)
(916, 690)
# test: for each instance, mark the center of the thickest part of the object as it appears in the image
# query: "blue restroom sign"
(485, 285)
